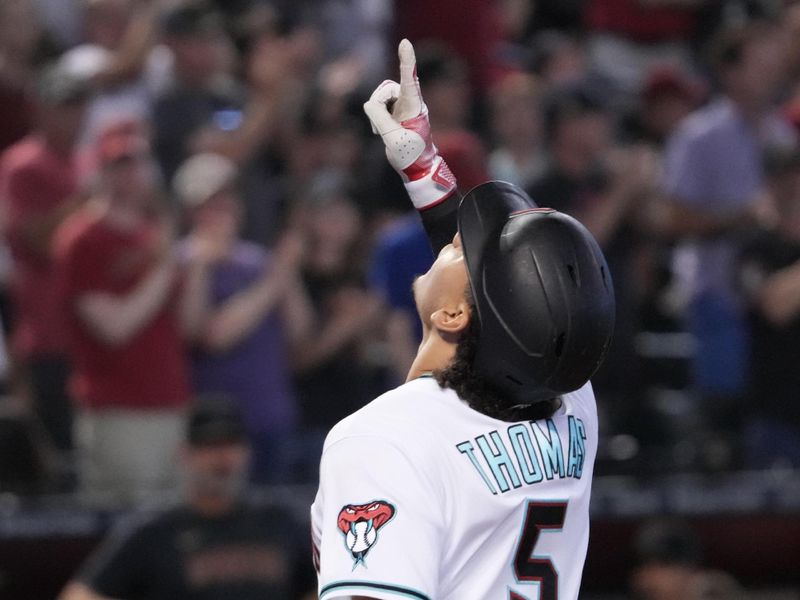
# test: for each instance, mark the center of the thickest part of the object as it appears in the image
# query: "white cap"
(202, 176)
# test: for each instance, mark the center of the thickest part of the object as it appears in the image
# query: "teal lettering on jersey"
(536, 453)
(498, 459)
(550, 447)
(527, 458)
(468, 449)
(577, 447)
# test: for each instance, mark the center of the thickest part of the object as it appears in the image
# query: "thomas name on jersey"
(526, 453)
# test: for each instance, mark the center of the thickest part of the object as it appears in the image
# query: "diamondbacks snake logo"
(360, 523)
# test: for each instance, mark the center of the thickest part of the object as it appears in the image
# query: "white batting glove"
(399, 115)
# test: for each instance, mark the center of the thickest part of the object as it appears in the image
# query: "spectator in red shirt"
(38, 188)
(118, 290)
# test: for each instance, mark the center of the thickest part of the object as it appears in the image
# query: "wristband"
(434, 187)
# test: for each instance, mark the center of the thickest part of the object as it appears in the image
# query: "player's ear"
(451, 320)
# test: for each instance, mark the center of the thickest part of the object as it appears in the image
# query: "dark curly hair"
(479, 393)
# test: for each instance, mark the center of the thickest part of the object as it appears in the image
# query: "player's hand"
(399, 115)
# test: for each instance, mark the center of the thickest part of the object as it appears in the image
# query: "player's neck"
(435, 353)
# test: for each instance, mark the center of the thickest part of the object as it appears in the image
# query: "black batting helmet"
(542, 292)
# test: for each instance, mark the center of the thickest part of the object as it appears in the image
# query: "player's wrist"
(433, 187)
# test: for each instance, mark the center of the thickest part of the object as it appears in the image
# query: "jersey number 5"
(528, 568)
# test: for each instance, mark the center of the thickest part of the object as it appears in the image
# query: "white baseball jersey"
(423, 497)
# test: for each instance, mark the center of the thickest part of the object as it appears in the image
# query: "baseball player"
(471, 481)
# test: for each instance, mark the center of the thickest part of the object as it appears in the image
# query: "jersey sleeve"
(441, 221)
(376, 524)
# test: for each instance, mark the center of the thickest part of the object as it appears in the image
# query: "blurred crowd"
(194, 205)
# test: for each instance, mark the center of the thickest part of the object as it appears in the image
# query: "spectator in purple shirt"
(713, 179)
(244, 308)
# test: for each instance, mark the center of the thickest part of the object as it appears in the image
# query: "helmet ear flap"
(541, 290)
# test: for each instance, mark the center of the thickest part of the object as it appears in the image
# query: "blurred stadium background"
(254, 244)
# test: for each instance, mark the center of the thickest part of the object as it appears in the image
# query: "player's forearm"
(441, 221)
(116, 319)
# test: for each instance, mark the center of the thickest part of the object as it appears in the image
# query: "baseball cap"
(58, 86)
(215, 420)
(202, 176)
(668, 80)
(120, 140)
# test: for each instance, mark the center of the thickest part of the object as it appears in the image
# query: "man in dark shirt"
(212, 546)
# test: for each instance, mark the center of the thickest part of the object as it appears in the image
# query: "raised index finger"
(408, 67)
